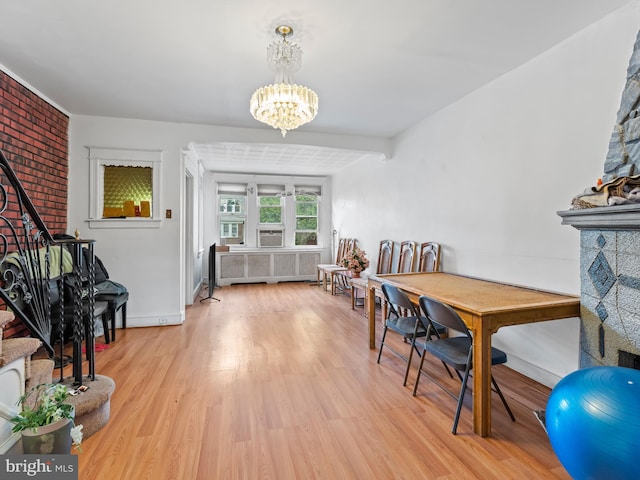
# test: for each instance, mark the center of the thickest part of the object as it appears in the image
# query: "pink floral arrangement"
(355, 260)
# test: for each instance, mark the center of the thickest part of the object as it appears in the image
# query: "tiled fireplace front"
(610, 242)
(610, 284)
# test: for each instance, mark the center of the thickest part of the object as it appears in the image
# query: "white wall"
(192, 229)
(150, 262)
(146, 260)
(486, 176)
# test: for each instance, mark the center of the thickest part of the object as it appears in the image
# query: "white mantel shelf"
(616, 217)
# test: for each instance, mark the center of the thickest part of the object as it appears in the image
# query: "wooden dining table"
(485, 306)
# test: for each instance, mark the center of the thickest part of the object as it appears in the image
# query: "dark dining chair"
(410, 325)
(456, 351)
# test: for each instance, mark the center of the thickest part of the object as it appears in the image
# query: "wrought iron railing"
(35, 270)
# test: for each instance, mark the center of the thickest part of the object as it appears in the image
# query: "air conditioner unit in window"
(271, 238)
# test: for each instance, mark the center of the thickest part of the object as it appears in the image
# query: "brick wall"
(34, 137)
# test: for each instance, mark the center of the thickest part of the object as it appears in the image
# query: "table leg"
(481, 379)
(365, 302)
(371, 307)
(353, 296)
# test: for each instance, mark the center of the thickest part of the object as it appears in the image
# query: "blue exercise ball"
(593, 423)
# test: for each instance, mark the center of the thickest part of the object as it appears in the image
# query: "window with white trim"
(270, 204)
(262, 212)
(228, 230)
(124, 188)
(232, 208)
(306, 203)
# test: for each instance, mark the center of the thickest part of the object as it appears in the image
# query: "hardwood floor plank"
(277, 382)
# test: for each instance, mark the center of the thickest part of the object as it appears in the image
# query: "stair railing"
(26, 247)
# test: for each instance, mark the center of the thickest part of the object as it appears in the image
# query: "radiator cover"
(267, 266)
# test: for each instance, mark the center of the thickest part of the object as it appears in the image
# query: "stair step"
(41, 372)
(14, 348)
(6, 317)
(93, 407)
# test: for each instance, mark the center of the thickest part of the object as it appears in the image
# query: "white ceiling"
(377, 66)
(275, 159)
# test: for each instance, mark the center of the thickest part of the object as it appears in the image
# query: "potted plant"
(355, 261)
(46, 421)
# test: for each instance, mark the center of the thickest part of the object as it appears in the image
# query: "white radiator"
(258, 266)
(308, 264)
(269, 267)
(284, 264)
(231, 266)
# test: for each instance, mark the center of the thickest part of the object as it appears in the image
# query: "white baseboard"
(545, 377)
(151, 320)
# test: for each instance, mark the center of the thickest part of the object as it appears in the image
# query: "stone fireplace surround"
(609, 284)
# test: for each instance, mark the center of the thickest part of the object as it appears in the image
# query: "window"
(264, 211)
(127, 191)
(270, 210)
(228, 230)
(232, 201)
(307, 215)
(270, 204)
(230, 205)
(124, 188)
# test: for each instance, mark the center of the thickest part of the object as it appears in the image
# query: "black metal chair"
(455, 351)
(106, 290)
(115, 302)
(410, 325)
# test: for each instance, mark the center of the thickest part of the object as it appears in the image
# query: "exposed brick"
(34, 138)
(14, 329)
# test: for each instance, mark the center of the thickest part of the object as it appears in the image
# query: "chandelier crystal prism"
(284, 104)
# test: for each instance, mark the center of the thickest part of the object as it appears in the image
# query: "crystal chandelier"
(284, 104)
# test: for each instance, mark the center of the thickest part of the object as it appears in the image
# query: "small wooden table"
(485, 306)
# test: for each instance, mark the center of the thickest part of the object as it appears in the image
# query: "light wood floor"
(277, 382)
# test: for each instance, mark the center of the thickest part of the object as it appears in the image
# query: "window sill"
(129, 222)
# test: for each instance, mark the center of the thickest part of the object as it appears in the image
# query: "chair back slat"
(429, 260)
(407, 256)
(340, 252)
(352, 243)
(385, 257)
